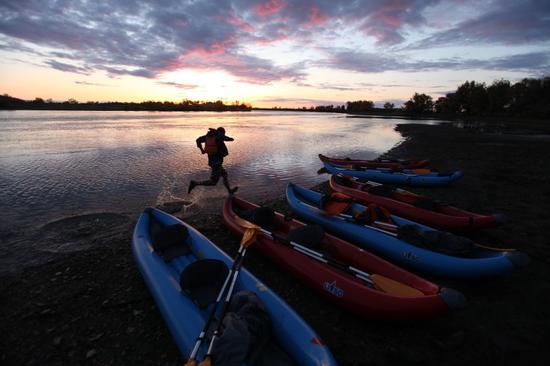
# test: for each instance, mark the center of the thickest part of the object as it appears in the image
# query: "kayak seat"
(168, 241)
(381, 190)
(309, 236)
(426, 204)
(437, 241)
(339, 178)
(335, 203)
(373, 213)
(262, 216)
(203, 279)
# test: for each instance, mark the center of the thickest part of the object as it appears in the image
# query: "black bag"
(246, 334)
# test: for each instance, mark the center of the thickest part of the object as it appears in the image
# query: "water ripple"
(59, 163)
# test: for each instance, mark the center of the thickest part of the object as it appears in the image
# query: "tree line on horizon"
(8, 102)
(527, 98)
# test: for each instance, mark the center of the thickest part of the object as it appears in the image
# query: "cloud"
(135, 38)
(299, 101)
(147, 39)
(179, 85)
(375, 63)
(61, 66)
(510, 23)
(89, 83)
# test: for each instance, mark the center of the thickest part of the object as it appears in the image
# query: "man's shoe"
(233, 190)
(192, 185)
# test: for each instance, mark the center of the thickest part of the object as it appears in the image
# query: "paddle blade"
(393, 287)
(206, 362)
(191, 362)
(245, 224)
(422, 171)
(249, 236)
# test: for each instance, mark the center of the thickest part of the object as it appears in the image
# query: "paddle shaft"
(322, 258)
(350, 218)
(226, 303)
(236, 263)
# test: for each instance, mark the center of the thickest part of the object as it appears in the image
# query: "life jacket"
(211, 144)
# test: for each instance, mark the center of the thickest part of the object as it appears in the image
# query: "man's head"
(221, 130)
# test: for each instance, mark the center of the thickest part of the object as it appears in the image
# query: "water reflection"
(59, 163)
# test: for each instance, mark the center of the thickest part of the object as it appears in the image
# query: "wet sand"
(90, 306)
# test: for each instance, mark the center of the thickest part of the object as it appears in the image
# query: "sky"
(268, 53)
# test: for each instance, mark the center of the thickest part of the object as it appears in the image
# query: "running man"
(214, 146)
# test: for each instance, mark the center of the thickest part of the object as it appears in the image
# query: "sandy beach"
(92, 307)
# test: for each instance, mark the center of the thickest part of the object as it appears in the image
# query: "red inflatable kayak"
(414, 207)
(336, 284)
(377, 163)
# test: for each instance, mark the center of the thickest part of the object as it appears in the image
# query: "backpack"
(211, 144)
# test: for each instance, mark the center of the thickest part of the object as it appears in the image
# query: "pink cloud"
(316, 18)
(240, 23)
(269, 8)
(391, 20)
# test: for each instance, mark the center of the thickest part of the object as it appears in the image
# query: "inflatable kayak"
(163, 269)
(334, 283)
(476, 263)
(404, 176)
(414, 207)
(377, 163)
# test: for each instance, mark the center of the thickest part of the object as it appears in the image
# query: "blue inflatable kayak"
(408, 177)
(184, 317)
(479, 263)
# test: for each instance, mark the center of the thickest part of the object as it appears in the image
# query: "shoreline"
(92, 306)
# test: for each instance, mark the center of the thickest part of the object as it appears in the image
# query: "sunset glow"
(266, 52)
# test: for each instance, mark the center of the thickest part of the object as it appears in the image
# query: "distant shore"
(92, 307)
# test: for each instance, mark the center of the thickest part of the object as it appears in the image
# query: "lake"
(55, 164)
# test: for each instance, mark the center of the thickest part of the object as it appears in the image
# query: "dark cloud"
(509, 23)
(61, 66)
(300, 101)
(179, 85)
(535, 62)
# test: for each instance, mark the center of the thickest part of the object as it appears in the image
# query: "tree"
(447, 104)
(472, 98)
(359, 106)
(389, 105)
(419, 103)
(499, 96)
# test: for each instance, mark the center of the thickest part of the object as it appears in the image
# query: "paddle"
(391, 229)
(376, 281)
(248, 238)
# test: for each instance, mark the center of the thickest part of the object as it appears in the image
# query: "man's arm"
(199, 141)
(227, 138)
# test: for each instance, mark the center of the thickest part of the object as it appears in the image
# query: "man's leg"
(214, 178)
(226, 182)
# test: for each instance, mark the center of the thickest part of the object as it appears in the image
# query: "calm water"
(57, 164)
